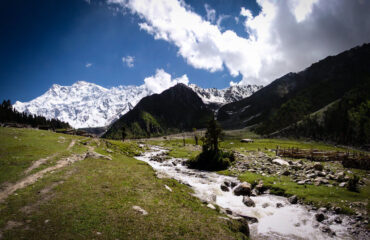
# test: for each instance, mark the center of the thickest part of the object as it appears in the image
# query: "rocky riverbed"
(269, 216)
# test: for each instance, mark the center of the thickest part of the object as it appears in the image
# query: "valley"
(97, 188)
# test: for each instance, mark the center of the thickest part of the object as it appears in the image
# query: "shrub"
(212, 160)
(352, 184)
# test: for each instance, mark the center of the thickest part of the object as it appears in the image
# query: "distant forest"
(9, 115)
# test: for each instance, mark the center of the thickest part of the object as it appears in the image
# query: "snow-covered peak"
(85, 104)
(227, 95)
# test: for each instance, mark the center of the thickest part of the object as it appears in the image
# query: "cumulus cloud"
(284, 36)
(129, 61)
(163, 80)
(211, 13)
(87, 65)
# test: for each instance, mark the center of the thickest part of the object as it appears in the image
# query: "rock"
(255, 192)
(302, 182)
(318, 167)
(226, 183)
(233, 184)
(286, 173)
(337, 210)
(327, 229)
(342, 184)
(323, 210)
(211, 206)
(244, 227)
(338, 220)
(280, 162)
(168, 188)
(249, 219)
(279, 205)
(228, 211)
(293, 199)
(311, 175)
(140, 210)
(97, 155)
(265, 205)
(319, 217)
(224, 187)
(260, 187)
(248, 201)
(243, 189)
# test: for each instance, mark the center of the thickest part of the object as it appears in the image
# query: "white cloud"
(88, 65)
(162, 81)
(129, 61)
(211, 13)
(285, 36)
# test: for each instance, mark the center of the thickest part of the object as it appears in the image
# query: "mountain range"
(86, 105)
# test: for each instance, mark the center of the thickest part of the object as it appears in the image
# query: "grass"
(311, 194)
(19, 148)
(93, 199)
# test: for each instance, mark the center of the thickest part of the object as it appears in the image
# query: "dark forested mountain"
(8, 115)
(290, 98)
(176, 109)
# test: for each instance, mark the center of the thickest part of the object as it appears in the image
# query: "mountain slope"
(178, 108)
(87, 105)
(84, 104)
(291, 97)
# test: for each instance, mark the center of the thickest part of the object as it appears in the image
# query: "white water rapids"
(292, 221)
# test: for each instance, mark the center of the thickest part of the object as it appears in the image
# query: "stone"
(286, 173)
(338, 219)
(244, 227)
(318, 167)
(224, 187)
(228, 211)
(302, 182)
(342, 184)
(311, 175)
(279, 205)
(140, 210)
(211, 206)
(243, 189)
(327, 229)
(254, 192)
(280, 162)
(260, 186)
(319, 217)
(322, 209)
(293, 199)
(248, 201)
(226, 183)
(265, 205)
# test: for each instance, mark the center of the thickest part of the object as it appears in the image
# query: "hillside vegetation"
(93, 198)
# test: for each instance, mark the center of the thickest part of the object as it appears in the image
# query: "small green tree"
(212, 158)
(196, 138)
(124, 133)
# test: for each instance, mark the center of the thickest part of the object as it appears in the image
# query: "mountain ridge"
(85, 104)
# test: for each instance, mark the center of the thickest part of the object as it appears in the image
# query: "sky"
(212, 43)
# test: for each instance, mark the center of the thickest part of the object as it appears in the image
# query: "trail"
(41, 161)
(34, 177)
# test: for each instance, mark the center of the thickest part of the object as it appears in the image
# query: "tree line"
(9, 115)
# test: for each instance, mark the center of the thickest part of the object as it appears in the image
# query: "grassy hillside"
(93, 198)
(290, 98)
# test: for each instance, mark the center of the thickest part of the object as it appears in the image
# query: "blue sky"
(46, 42)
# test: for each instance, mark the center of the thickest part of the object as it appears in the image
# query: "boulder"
(338, 220)
(319, 217)
(248, 201)
(279, 205)
(286, 173)
(342, 184)
(244, 227)
(293, 199)
(280, 162)
(224, 187)
(243, 189)
(318, 167)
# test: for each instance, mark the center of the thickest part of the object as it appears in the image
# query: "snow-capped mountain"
(227, 95)
(89, 105)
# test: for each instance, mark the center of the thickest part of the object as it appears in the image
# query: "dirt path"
(41, 161)
(73, 142)
(34, 177)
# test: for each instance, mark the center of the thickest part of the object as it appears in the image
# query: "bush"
(212, 160)
(352, 184)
